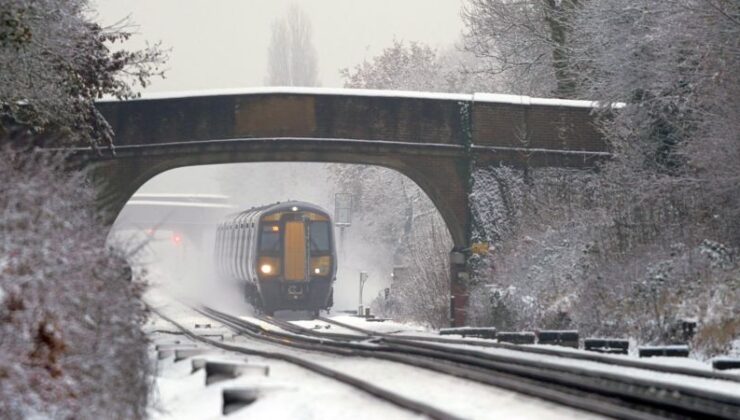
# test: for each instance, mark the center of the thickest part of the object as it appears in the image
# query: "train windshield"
(270, 238)
(320, 237)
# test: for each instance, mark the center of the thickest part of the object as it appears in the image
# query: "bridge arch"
(122, 177)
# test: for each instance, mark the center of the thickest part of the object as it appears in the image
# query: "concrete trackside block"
(237, 398)
(183, 354)
(221, 371)
(565, 338)
(165, 351)
(174, 346)
(217, 337)
(480, 332)
(197, 364)
(666, 351)
(524, 337)
(164, 354)
(607, 345)
(725, 363)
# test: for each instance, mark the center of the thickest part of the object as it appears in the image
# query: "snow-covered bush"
(55, 61)
(71, 345)
(583, 253)
(650, 239)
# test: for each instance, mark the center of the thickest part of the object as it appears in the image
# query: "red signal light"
(176, 239)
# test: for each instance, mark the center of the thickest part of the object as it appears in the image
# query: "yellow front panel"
(295, 251)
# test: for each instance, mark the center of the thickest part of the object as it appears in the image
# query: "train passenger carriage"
(282, 253)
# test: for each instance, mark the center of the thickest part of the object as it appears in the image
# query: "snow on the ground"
(325, 327)
(295, 393)
(288, 392)
(292, 392)
(398, 328)
(726, 387)
(384, 327)
(722, 386)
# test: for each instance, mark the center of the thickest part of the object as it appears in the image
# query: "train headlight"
(317, 270)
(266, 269)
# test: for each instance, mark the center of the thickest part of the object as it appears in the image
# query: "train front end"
(296, 259)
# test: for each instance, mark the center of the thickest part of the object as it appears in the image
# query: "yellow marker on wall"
(479, 248)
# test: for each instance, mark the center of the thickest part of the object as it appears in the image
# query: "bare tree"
(291, 55)
(525, 41)
(416, 66)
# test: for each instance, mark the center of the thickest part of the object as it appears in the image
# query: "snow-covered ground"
(288, 392)
(392, 327)
(291, 392)
(721, 386)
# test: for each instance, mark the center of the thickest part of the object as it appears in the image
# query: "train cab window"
(270, 238)
(320, 236)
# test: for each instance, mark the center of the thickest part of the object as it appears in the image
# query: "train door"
(294, 256)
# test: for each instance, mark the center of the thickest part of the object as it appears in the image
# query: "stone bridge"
(436, 140)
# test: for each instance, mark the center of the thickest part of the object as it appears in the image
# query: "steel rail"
(593, 357)
(632, 400)
(380, 393)
(680, 397)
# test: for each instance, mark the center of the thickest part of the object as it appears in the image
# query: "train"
(282, 254)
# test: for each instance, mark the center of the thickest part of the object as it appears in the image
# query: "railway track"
(357, 383)
(608, 394)
(592, 357)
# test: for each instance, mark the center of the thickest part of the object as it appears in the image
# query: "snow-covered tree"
(416, 66)
(291, 55)
(635, 248)
(55, 62)
(525, 42)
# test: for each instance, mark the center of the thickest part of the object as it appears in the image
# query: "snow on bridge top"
(465, 97)
(180, 200)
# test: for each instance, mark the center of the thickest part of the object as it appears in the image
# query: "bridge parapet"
(405, 117)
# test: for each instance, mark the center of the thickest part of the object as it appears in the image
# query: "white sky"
(223, 43)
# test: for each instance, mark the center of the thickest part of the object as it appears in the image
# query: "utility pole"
(363, 280)
(342, 215)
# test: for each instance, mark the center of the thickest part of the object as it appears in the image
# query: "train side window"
(320, 241)
(270, 238)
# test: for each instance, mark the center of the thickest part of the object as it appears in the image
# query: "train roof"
(285, 205)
